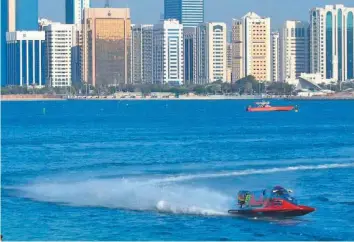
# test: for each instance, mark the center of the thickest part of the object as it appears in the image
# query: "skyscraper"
(294, 50)
(16, 15)
(190, 13)
(275, 56)
(25, 58)
(62, 54)
(212, 53)
(22, 15)
(74, 10)
(142, 53)
(3, 28)
(251, 47)
(168, 52)
(26, 15)
(331, 42)
(106, 46)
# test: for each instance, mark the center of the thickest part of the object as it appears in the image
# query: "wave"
(164, 194)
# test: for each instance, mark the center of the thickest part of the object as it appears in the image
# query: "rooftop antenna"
(107, 4)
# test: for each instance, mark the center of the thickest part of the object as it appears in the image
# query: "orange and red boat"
(276, 202)
(266, 107)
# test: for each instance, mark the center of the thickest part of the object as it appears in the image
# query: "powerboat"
(275, 202)
(266, 107)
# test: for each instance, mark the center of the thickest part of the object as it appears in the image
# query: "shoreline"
(33, 99)
(22, 98)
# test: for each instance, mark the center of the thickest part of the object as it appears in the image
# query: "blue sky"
(148, 11)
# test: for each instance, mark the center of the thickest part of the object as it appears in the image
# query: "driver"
(241, 199)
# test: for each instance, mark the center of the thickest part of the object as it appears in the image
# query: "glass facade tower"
(26, 15)
(329, 46)
(107, 46)
(331, 42)
(74, 10)
(188, 12)
(3, 28)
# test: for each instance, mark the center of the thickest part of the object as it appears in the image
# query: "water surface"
(170, 170)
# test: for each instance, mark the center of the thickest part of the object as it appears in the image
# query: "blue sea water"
(170, 170)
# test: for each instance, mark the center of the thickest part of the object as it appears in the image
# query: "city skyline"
(278, 11)
(185, 48)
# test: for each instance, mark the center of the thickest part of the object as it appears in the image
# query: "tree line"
(245, 86)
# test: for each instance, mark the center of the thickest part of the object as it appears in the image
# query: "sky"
(149, 11)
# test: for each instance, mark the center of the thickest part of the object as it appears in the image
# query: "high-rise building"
(294, 50)
(25, 58)
(26, 15)
(331, 42)
(168, 52)
(275, 56)
(4, 29)
(190, 13)
(251, 47)
(190, 54)
(63, 54)
(16, 15)
(22, 15)
(74, 10)
(142, 53)
(107, 46)
(212, 53)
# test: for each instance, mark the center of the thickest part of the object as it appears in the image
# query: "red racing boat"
(265, 107)
(274, 202)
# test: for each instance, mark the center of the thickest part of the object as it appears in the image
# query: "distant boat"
(266, 107)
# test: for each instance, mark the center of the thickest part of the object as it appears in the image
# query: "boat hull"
(273, 212)
(270, 109)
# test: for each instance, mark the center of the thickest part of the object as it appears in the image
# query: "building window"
(329, 46)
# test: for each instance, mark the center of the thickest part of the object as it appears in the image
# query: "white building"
(212, 52)
(168, 52)
(142, 54)
(42, 22)
(275, 56)
(63, 54)
(251, 54)
(25, 58)
(331, 42)
(294, 50)
(309, 81)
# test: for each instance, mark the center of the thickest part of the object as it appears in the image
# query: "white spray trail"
(132, 195)
(163, 194)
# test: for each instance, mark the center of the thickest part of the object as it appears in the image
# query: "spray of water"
(131, 194)
(167, 194)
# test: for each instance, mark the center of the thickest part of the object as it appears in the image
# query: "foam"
(166, 194)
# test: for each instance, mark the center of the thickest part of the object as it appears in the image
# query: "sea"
(170, 170)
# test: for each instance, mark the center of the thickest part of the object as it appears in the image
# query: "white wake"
(132, 195)
(166, 194)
